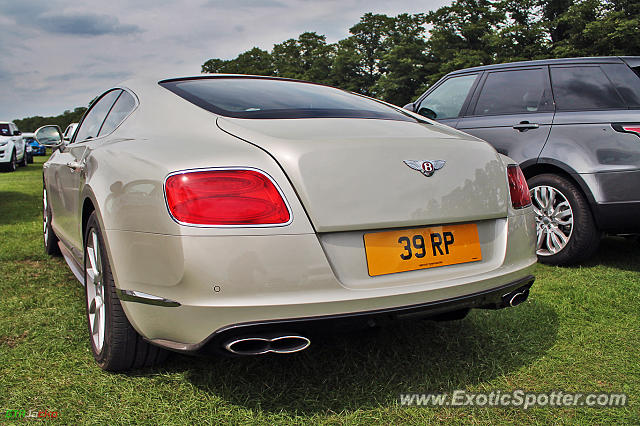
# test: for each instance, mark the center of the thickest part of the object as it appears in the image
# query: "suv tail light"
(225, 197)
(627, 128)
(518, 187)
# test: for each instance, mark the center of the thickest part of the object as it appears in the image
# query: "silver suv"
(574, 127)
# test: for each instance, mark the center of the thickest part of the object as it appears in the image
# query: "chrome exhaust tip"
(518, 297)
(260, 345)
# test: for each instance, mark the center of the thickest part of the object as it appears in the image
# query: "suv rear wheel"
(565, 228)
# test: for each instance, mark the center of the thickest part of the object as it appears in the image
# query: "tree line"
(30, 124)
(397, 58)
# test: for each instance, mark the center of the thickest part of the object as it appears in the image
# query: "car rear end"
(596, 131)
(340, 227)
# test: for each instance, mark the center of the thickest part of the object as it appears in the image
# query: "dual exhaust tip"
(290, 343)
(260, 345)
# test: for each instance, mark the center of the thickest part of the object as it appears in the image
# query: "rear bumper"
(618, 218)
(219, 282)
(617, 200)
(495, 298)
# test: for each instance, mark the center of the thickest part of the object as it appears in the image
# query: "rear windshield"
(246, 97)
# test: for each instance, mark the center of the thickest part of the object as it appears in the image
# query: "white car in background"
(12, 147)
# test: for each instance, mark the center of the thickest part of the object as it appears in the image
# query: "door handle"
(75, 166)
(525, 125)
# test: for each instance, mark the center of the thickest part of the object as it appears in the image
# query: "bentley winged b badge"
(427, 168)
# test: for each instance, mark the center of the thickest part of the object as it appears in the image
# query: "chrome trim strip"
(147, 299)
(262, 172)
(126, 89)
(75, 268)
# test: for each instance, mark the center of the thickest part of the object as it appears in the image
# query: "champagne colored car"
(241, 214)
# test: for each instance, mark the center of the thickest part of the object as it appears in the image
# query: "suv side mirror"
(427, 112)
(50, 136)
(17, 133)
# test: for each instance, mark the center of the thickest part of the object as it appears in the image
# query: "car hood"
(351, 173)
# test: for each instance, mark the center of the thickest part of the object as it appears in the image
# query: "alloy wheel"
(554, 219)
(95, 291)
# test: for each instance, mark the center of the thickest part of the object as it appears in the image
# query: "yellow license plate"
(419, 248)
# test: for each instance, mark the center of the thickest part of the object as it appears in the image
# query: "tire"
(115, 345)
(23, 162)
(562, 209)
(11, 165)
(50, 239)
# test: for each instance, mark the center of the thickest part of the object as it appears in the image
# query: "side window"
(121, 109)
(626, 81)
(92, 122)
(447, 99)
(583, 88)
(514, 92)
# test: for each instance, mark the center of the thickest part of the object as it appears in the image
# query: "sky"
(60, 54)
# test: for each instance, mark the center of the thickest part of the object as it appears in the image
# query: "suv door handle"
(525, 125)
(75, 166)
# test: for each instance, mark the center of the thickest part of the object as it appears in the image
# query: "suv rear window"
(249, 97)
(626, 81)
(583, 88)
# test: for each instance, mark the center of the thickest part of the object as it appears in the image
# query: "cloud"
(85, 24)
(253, 4)
(63, 77)
(58, 54)
(46, 17)
(111, 75)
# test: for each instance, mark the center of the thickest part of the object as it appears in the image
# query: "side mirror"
(427, 112)
(410, 107)
(17, 133)
(50, 136)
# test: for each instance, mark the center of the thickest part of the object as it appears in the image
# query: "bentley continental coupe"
(238, 214)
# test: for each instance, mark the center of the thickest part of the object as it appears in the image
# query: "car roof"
(560, 61)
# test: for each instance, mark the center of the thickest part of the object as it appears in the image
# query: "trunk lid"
(350, 173)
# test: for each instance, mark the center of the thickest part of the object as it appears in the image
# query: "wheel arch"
(556, 167)
(90, 205)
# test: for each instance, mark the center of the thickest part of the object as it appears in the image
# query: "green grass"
(579, 331)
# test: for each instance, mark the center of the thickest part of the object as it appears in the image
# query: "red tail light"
(632, 129)
(518, 187)
(225, 197)
(627, 128)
